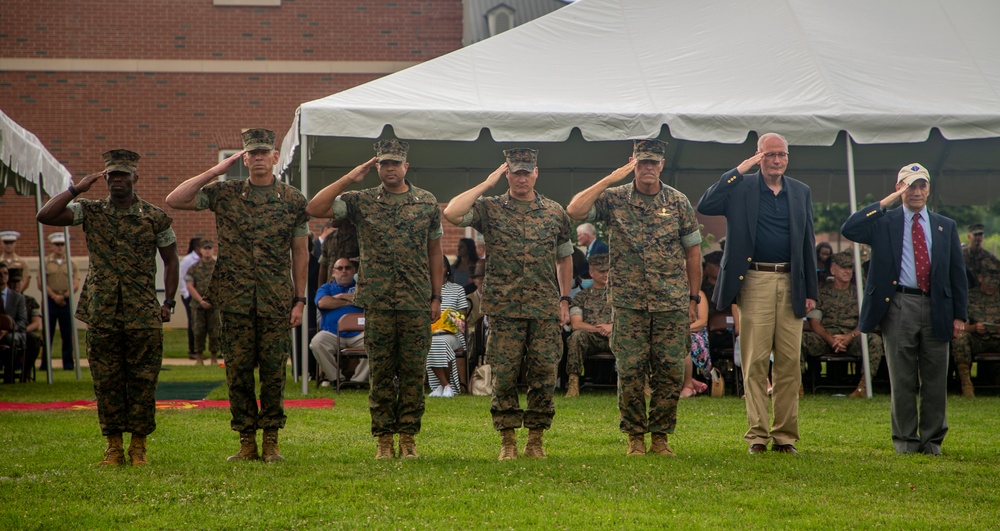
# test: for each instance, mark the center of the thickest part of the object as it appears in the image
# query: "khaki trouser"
(325, 345)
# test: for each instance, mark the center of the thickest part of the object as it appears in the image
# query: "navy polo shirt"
(773, 243)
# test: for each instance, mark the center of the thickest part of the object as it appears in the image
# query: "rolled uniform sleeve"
(77, 210)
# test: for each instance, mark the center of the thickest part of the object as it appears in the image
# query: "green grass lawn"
(847, 475)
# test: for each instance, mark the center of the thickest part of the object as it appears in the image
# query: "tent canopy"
(909, 80)
(25, 161)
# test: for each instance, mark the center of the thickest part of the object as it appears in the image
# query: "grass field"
(847, 475)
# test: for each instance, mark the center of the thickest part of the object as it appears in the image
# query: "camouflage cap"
(521, 159)
(391, 149)
(977, 228)
(205, 243)
(844, 258)
(121, 160)
(651, 149)
(600, 262)
(254, 139)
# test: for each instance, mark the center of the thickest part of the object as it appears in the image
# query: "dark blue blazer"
(598, 248)
(883, 231)
(738, 198)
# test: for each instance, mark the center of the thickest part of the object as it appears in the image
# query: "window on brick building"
(500, 19)
(238, 171)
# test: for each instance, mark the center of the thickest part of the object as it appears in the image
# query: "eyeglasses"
(776, 155)
(342, 268)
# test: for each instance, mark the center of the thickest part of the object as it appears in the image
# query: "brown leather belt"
(771, 268)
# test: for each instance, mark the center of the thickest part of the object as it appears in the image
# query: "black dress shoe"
(757, 449)
(785, 448)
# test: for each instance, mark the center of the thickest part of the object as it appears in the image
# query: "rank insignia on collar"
(662, 212)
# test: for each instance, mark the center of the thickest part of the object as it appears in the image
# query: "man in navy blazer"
(769, 270)
(919, 306)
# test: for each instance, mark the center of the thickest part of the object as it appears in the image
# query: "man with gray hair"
(769, 270)
(586, 235)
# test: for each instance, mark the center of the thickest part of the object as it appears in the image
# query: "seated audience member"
(476, 341)
(834, 322)
(465, 264)
(824, 258)
(447, 336)
(336, 299)
(33, 332)
(581, 272)
(12, 305)
(204, 316)
(700, 356)
(586, 236)
(590, 319)
(341, 242)
(983, 332)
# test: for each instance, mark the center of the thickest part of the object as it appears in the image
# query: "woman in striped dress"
(442, 371)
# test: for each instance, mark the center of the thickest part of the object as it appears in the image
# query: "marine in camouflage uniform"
(204, 321)
(592, 308)
(343, 243)
(528, 235)
(983, 332)
(976, 258)
(119, 302)
(655, 267)
(399, 235)
(836, 314)
(262, 229)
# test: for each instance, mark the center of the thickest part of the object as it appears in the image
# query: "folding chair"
(721, 341)
(352, 322)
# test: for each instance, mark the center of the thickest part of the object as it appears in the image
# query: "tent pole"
(44, 303)
(72, 307)
(304, 354)
(852, 189)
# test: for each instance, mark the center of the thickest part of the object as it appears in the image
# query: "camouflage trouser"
(256, 342)
(125, 365)
(653, 345)
(539, 343)
(205, 323)
(963, 347)
(582, 344)
(813, 345)
(396, 343)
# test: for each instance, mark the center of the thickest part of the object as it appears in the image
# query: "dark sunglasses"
(341, 268)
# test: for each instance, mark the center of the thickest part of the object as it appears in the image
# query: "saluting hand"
(892, 198)
(748, 164)
(623, 172)
(494, 177)
(222, 168)
(89, 181)
(358, 173)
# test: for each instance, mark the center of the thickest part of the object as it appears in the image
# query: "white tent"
(24, 164)
(885, 83)
(691, 72)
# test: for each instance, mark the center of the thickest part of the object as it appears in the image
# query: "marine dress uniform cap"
(911, 173)
(57, 237)
(521, 159)
(391, 149)
(254, 139)
(121, 160)
(651, 149)
(9, 235)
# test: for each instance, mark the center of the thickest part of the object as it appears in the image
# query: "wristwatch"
(170, 304)
(435, 297)
(567, 299)
(297, 300)
(696, 298)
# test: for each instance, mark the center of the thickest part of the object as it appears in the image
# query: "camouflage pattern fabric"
(255, 139)
(125, 366)
(521, 159)
(982, 308)
(121, 160)
(977, 261)
(123, 245)
(343, 243)
(34, 310)
(581, 344)
(592, 305)
(647, 242)
(393, 237)
(255, 235)
(651, 149)
(506, 346)
(839, 309)
(649, 345)
(523, 284)
(396, 343)
(204, 322)
(256, 342)
(391, 149)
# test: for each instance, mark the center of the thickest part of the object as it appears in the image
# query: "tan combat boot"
(573, 388)
(248, 447)
(534, 446)
(137, 450)
(659, 445)
(385, 448)
(636, 444)
(407, 445)
(270, 453)
(115, 452)
(199, 361)
(215, 360)
(859, 391)
(966, 377)
(508, 444)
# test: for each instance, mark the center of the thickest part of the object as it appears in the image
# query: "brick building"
(176, 80)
